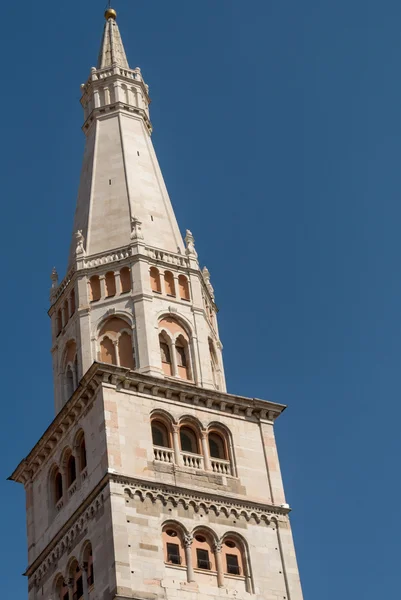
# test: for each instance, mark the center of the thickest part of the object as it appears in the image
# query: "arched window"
(58, 486)
(88, 562)
(115, 335)
(71, 470)
(125, 280)
(82, 454)
(108, 351)
(181, 349)
(217, 446)
(165, 355)
(183, 287)
(110, 282)
(69, 375)
(125, 350)
(169, 283)
(125, 93)
(65, 313)
(189, 440)
(94, 288)
(160, 435)
(155, 280)
(78, 586)
(59, 322)
(72, 302)
(61, 589)
(181, 364)
(69, 378)
(173, 547)
(233, 557)
(202, 549)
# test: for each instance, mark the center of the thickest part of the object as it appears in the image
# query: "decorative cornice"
(130, 381)
(218, 504)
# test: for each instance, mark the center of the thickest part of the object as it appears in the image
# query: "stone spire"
(121, 178)
(112, 49)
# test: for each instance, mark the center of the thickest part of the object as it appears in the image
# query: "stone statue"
(136, 229)
(206, 277)
(190, 242)
(80, 242)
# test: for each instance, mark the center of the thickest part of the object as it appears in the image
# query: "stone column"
(118, 282)
(218, 554)
(117, 352)
(176, 445)
(173, 357)
(102, 280)
(188, 557)
(176, 288)
(70, 585)
(84, 570)
(205, 450)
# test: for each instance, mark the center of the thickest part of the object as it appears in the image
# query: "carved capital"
(188, 539)
(218, 547)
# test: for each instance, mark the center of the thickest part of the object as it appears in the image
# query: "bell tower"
(152, 481)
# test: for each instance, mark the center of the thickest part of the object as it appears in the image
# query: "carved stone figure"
(80, 242)
(206, 277)
(136, 229)
(190, 243)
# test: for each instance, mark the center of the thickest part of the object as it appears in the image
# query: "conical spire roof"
(112, 48)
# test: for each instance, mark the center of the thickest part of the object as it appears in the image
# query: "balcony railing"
(204, 564)
(195, 461)
(60, 504)
(163, 454)
(221, 466)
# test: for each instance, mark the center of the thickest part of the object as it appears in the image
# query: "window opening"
(165, 352)
(188, 441)
(173, 554)
(181, 356)
(202, 557)
(58, 487)
(233, 567)
(159, 436)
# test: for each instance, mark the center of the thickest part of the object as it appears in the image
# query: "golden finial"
(110, 14)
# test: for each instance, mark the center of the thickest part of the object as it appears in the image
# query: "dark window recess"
(90, 579)
(181, 356)
(59, 487)
(109, 181)
(173, 554)
(214, 449)
(80, 590)
(66, 595)
(137, 152)
(165, 352)
(157, 436)
(233, 567)
(151, 216)
(202, 557)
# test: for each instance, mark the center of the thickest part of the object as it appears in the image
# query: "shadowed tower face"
(152, 481)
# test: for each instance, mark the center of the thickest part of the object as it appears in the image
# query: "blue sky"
(277, 126)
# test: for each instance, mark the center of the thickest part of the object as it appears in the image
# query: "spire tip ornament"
(110, 14)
